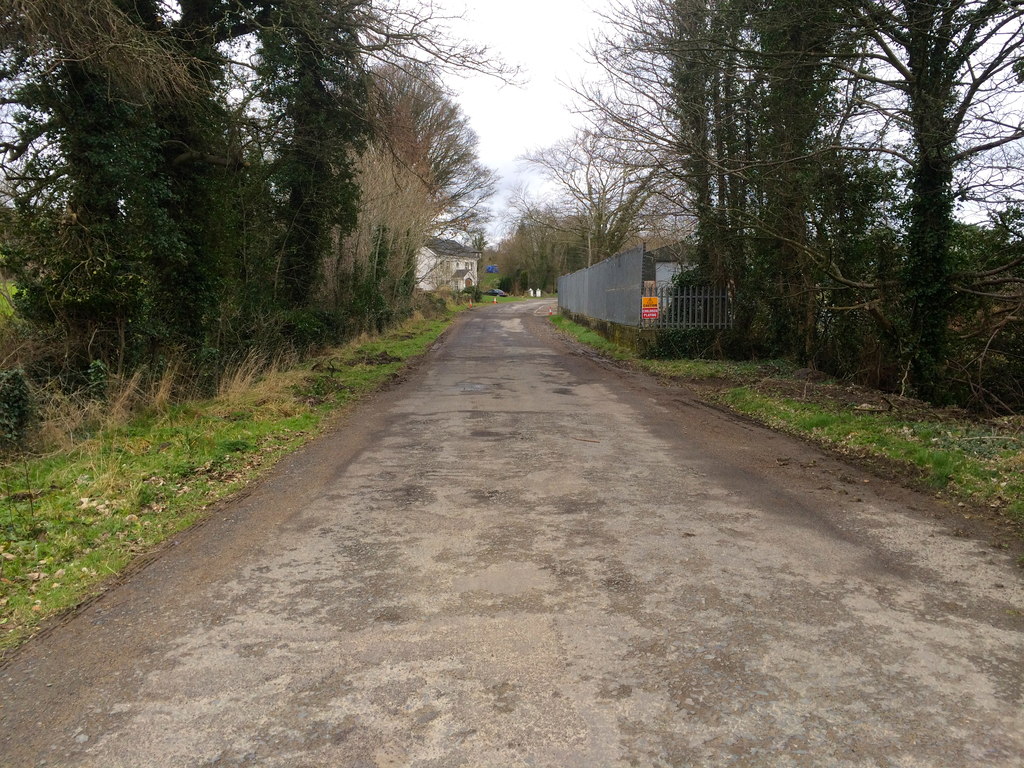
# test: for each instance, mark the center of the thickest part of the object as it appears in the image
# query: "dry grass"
(259, 382)
(64, 419)
(125, 396)
(242, 377)
(358, 341)
(161, 394)
(60, 418)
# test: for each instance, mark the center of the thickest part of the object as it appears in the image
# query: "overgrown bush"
(698, 343)
(15, 408)
(306, 328)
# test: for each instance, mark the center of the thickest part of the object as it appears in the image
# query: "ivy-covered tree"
(182, 170)
(942, 73)
(775, 116)
(98, 249)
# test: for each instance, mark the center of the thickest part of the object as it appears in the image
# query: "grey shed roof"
(680, 253)
(451, 248)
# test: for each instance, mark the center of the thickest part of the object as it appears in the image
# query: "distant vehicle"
(495, 292)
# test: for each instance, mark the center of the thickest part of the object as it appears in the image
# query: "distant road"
(521, 555)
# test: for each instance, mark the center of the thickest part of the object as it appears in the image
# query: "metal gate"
(691, 306)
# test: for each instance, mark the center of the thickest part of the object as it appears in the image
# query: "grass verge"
(70, 520)
(500, 299)
(976, 461)
(591, 338)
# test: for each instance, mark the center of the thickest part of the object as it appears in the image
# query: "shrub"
(305, 328)
(698, 343)
(98, 376)
(15, 408)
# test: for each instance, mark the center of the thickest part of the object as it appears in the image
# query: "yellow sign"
(650, 302)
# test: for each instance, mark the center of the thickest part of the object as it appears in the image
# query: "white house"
(446, 264)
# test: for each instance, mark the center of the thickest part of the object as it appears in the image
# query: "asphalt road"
(521, 556)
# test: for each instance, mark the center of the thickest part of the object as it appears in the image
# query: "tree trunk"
(927, 280)
(928, 275)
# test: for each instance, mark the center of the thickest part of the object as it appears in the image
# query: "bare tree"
(100, 34)
(539, 248)
(604, 190)
(428, 132)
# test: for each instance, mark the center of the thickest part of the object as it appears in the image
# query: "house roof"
(459, 274)
(451, 248)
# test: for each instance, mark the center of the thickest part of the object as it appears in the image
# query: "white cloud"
(547, 39)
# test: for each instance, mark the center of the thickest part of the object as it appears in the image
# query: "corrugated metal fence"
(613, 290)
(610, 290)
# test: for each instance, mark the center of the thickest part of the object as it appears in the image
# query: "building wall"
(665, 271)
(434, 271)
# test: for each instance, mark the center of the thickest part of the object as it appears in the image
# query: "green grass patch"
(971, 461)
(488, 281)
(726, 370)
(70, 520)
(592, 338)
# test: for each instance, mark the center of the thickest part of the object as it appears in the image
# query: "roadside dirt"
(967, 518)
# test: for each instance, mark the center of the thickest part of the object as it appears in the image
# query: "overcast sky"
(547, 39)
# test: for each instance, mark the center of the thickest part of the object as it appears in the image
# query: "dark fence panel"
(609, 290)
